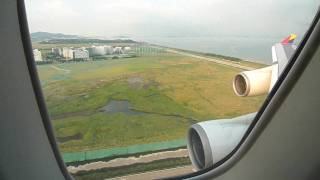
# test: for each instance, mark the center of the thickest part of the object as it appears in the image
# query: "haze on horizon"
(161, 18)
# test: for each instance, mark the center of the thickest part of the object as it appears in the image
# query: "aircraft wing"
(210, 141)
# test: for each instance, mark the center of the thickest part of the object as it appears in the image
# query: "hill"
(85, 41)
(46, 36)
(59, 38)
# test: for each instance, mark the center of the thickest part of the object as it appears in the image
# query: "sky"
(176, 18)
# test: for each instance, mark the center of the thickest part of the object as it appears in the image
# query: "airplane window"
(150, 89)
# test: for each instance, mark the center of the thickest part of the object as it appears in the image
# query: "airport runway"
(223, 62)
(157, 174)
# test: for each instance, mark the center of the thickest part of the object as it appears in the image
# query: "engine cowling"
(255, 82)
(261, 81)
(210, 141)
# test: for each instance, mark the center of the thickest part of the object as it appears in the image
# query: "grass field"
(171, 92)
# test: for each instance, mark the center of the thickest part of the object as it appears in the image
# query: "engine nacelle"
(255, 82)
(211, 141)
(261, 81)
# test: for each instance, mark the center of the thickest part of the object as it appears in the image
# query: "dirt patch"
(135, 82)
(138, 82)
(77, 136)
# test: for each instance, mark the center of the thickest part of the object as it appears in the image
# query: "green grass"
(100, 130)
(172, 88)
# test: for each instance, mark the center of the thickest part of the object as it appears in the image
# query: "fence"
(149, 51)
(105, 153)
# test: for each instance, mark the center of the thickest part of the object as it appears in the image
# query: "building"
(90, 50)
(37, 55)
(80, 54)
(117, 50)
(67, 53)
(57, 51)
(70, 54)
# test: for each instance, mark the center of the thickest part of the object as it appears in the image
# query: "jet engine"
(210, 141)
(261, 81)
(255, 82)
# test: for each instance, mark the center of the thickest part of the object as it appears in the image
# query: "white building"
(37, 55)
(117, 50)
(67, 53)
(80, 54)
(70, 54)
(127, 49)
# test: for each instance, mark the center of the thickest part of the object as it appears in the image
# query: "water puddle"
(123, 106)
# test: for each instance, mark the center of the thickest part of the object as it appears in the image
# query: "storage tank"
(108, 50)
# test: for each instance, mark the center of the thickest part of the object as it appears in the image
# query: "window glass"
(141, 86)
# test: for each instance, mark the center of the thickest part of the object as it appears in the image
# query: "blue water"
(248, 48)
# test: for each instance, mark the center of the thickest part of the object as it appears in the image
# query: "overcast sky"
(267, 18)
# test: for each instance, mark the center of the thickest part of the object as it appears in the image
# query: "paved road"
(118, 162)
(158, 174)
(223, 62)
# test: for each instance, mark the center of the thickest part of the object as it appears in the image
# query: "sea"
(255, 49)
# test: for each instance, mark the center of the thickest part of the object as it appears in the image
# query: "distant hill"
(59, 38)
(86, 41)
(46, 36)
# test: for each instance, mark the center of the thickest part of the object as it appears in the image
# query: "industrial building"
(80, 54)
(37, 55)
(100, 50)
(86, 52)
(57, 51)
(71, 53)
(67, 53)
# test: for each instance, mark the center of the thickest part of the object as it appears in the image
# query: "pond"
(123, 106)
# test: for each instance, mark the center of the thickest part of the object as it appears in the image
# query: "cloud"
(50, 15)
(171, 17)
